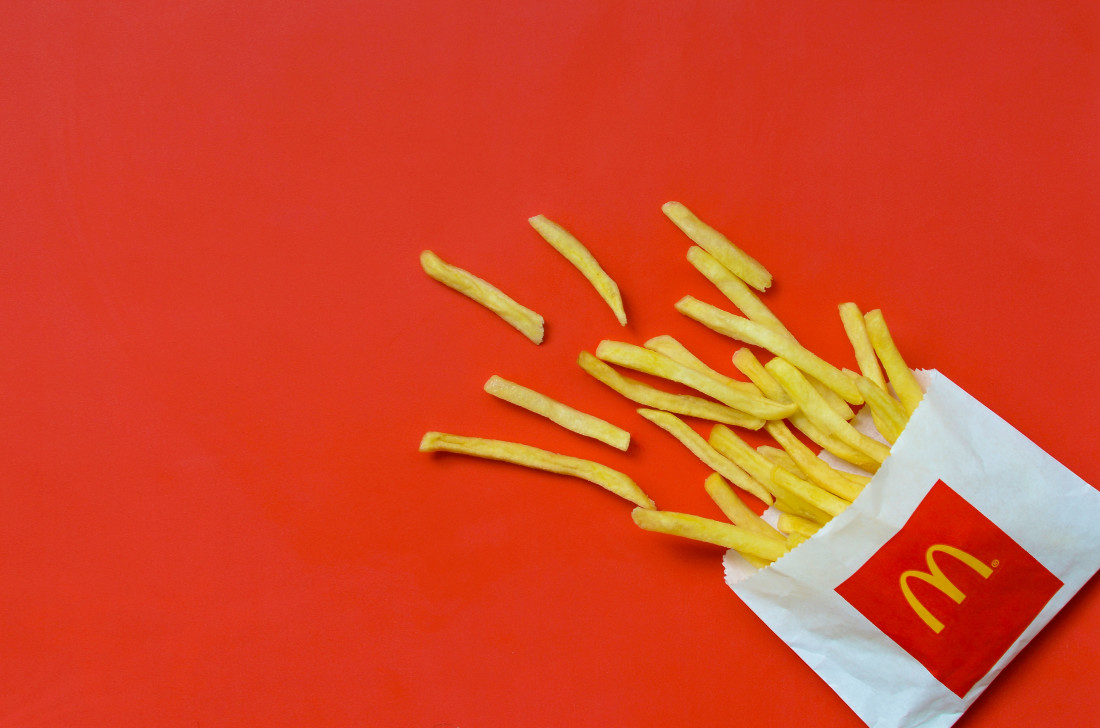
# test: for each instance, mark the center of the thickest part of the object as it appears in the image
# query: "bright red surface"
(219, 352)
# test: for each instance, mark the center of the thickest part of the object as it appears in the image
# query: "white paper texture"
(1038, 502)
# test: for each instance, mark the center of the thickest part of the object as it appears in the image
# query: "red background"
(219, 352)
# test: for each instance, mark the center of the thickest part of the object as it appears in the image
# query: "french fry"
(747, 363)
(659, 365)
(856, 329)
(523, 319)
(737, 261)
(733, 448)
(677, 352)
(897, 371)
(791, 524)
(750, 332)
(561, 414)
(795, 540)
(888, 414)
(802, 490)
(811, 403)
(816, 470)
(778, 456)
(834, 400)
(533, 457)
(739, 514)
(710, 531)
(699, 447)
(790, 504)
(735, 289)
(577, 254)
(681, 404)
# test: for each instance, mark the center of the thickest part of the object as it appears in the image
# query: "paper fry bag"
(968, 540)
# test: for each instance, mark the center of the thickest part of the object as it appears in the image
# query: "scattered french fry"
(681, 404)
(737, 261)
(735, 289)
(699, 447)
(750, 332)
(659, 365)
(897, 371)
(523, 319)
(561, 414)
(710, 531)
(856, 329)
(577, 254)
(538, 459)
(677, 352)
(812, 404)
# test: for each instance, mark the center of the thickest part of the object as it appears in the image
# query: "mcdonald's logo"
(936, 578)
(951, 589)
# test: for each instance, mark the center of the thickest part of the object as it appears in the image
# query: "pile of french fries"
(800, 400)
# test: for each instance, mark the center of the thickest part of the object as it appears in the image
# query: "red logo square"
(951, 589)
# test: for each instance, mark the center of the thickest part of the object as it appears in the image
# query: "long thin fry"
(677, 352)
(681, 404)
(750, 332)
(737, 261)
(699, 447)
(816, 469)
(897, 371)
(888, 414)
(659, 365)
(710, 531)
(856, 329)
(577, 254)
(571, 419)
(533, 457)
(735, 289)
(526, 321)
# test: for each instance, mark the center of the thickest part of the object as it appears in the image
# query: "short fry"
(699, 447)
(897, 371)
(750, 332)
(737, 261)
(710, 531)
(533, 457)
(577, 254)
(681, 404)
(523, 319)
(561, 414)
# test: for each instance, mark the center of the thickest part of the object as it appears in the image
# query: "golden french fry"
(791, 524)
(733, 288)
(561, 414)
(856, 329)
(817, 470)
(699, 447)
(747, 363)
(788, 504)
(750, 332)
(710, 531)
(679, 353)
(834, 400)
(733, 448)
(533, 457)
(739, 514)
(681, 404)
(737, 261)
(526, 321)
(575, 252)
(888, 414)
(659, 365)
(778, 456)
(897, 371)
(793, 487)
(814, 407)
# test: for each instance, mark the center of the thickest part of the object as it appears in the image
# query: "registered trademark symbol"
(996, 563)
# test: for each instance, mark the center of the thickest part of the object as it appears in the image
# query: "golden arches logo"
(939, 580)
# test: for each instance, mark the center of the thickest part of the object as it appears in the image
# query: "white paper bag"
(967, 541)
